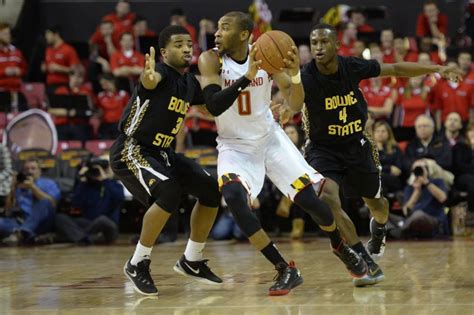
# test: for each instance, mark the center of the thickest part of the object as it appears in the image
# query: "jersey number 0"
(243, 102)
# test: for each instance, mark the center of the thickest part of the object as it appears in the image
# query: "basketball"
(272, 47)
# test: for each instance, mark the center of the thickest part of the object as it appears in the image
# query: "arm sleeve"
(362, 69)
(218, 100)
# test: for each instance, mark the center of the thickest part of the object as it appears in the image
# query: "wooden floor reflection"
(421, 278)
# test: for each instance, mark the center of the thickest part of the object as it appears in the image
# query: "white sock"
(194, 250)
(141, 253)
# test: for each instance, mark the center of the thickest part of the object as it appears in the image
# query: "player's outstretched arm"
(149, 77)
(413, 69)
(289, 81)
(218, 100)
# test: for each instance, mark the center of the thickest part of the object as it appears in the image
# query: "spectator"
(425, 145)
(304, 54)
(391, 157)
(72, 124)
(412, 101)
(179, 18)
(402, 51)
(36, 198)
(61, 60)
(201, 127)
(380, 98)
(453, 97)
(430, 80)
(207, 28)
(111, 104)
(452, 129)
(127, 64)
(465, 63)
(347, 38)
(12, 65)
(122, 18)
(98, 198)
(424, 204)
(436, 52)
(431, 23)
(5, 178)
(463, 166)
(104, 40)
(358, 49)
(141, 30)
(357, 16)
(386, 42)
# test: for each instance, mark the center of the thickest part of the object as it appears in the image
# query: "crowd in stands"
(422, 127)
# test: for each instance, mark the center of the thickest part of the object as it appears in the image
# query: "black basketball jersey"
(154, 117)
(335, 109)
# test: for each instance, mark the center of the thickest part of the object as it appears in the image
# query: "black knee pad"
(236, 198)
(208, 192)
(167, 195)
(315, 207)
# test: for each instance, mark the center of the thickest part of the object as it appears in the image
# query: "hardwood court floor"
(421, 278)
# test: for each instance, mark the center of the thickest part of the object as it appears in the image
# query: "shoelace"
(347, 253)
(143, 274)
(286, 273)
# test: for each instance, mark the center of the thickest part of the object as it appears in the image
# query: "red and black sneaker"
(287, 278)
(354, 263)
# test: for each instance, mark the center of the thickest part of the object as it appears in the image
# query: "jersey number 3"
(243, 102)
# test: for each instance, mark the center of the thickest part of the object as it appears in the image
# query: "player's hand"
(292, 61)
(254, 65)
(282, 112)
(451, 73)
(149, 75)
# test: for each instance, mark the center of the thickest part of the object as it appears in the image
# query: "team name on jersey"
(178, 105)
(345, 130)
(258, 81)
(334, 102)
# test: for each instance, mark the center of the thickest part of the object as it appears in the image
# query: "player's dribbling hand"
(452, 73)
(149, 77)
(292, 61)
(254, 65)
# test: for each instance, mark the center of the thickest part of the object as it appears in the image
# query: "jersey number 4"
(243, 102)
(343, 115)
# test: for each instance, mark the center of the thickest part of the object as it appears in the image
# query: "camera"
(21, 177)
(418, 171)
(92, 165)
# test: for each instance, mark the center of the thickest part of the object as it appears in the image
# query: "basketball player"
(335, 117)
(251, 143)
(143, 159)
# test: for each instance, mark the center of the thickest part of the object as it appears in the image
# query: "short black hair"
(177, 11)
(244, 20)
(56, 29)
(108, 77)
(125, 33)
(139, 18)
(165, 35)
(325, 26)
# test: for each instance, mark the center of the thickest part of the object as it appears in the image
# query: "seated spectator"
(5, 178)
(431, 23)
(453, 97)
(430, 80)
(35, 203)
(452, 129)
(463, 166)
(127, 63)
(402, 51)
(465, 63)
(423, 204)
(60, 60)
(98, 198)
(104, 40)
(358, 49)
(347, 37)
(12, 66)
(436, 49)
(391, 158)
(140, 30)
(122, 18)
(386, 42)
(304, 54)
(380, 98)
(426, 145)
(357, 16)
(111, 103)
(71, 124)
(207, 29)
(412, 101)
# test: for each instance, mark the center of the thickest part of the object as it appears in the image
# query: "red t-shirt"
(112, 105)
(121, 25)
(423, 26)
(412, 107)
(374, 97)
(98, 39)
(11, 57)
(63, 55)
(449, 97)
(66, 90)
(118, 59)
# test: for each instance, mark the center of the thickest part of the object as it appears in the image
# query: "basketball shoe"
(376, 244)
(354, 263)
(140, 276)
(287, 278)
(198, 270)
(374, 273)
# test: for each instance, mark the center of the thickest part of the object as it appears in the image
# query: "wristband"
(296, 79)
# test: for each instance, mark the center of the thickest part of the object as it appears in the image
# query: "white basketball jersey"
(249, 117)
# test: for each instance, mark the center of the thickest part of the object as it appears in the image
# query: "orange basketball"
(272, 47)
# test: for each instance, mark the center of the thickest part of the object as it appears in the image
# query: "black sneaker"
(374, 274)
(287, 278)
(376, 244)
(354, 263)
(198, 270)
(140, 276)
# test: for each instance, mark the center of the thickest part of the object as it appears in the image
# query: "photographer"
(98, 198)
(423, 203)
(35, 203)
